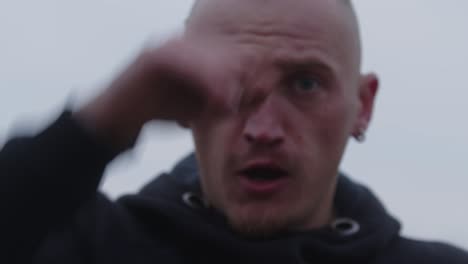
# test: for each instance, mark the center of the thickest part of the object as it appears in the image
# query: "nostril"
(263, 138)
(249, 138)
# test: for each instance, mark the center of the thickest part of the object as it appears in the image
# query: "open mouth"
(263, 179)
(264, 173)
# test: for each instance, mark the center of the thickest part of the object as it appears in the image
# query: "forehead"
(321, 26)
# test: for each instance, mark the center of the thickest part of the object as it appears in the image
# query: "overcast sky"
(415, 159)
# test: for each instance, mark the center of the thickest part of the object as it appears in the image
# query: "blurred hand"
(182, 80)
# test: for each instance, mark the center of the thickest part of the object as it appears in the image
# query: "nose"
(263, 126)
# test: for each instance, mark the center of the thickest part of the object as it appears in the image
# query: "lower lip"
(263, 187)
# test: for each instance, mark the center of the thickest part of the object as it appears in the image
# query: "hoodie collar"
(175, 198)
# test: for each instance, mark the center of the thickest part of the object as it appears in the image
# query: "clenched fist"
(182, 80)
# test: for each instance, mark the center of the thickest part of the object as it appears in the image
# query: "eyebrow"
(293, 63)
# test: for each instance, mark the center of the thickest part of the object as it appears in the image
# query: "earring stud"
(361, 136)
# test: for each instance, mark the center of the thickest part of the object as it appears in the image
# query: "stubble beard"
(257, 222)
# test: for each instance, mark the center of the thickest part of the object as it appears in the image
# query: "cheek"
(324, 129)
(337, 117)
(212, 140)
(211, 137)
(208, 162)
(214, 146)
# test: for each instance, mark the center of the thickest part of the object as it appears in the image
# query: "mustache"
(240, 160)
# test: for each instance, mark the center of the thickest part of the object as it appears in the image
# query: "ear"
(368, 88)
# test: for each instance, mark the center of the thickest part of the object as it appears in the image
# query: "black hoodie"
(53, 214)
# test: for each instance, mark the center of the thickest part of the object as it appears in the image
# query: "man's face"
(273, 165)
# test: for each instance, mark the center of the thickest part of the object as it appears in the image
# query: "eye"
(305, 83)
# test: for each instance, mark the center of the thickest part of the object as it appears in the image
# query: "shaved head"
(342, 8)
(346, 2)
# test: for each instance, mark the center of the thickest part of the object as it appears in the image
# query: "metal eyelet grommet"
(192, 200)
(346, 226)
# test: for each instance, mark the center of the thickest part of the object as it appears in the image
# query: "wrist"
(110, 123)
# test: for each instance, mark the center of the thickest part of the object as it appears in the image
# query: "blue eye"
(305, 84)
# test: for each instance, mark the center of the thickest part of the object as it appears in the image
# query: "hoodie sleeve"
(44, 180)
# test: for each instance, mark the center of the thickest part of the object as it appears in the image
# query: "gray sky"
(417, 149)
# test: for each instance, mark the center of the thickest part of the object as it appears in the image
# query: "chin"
(259, 222)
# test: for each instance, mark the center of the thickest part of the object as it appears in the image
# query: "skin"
(302, 98)
(277, 82)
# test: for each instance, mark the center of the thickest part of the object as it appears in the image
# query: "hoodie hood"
(171, 209)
